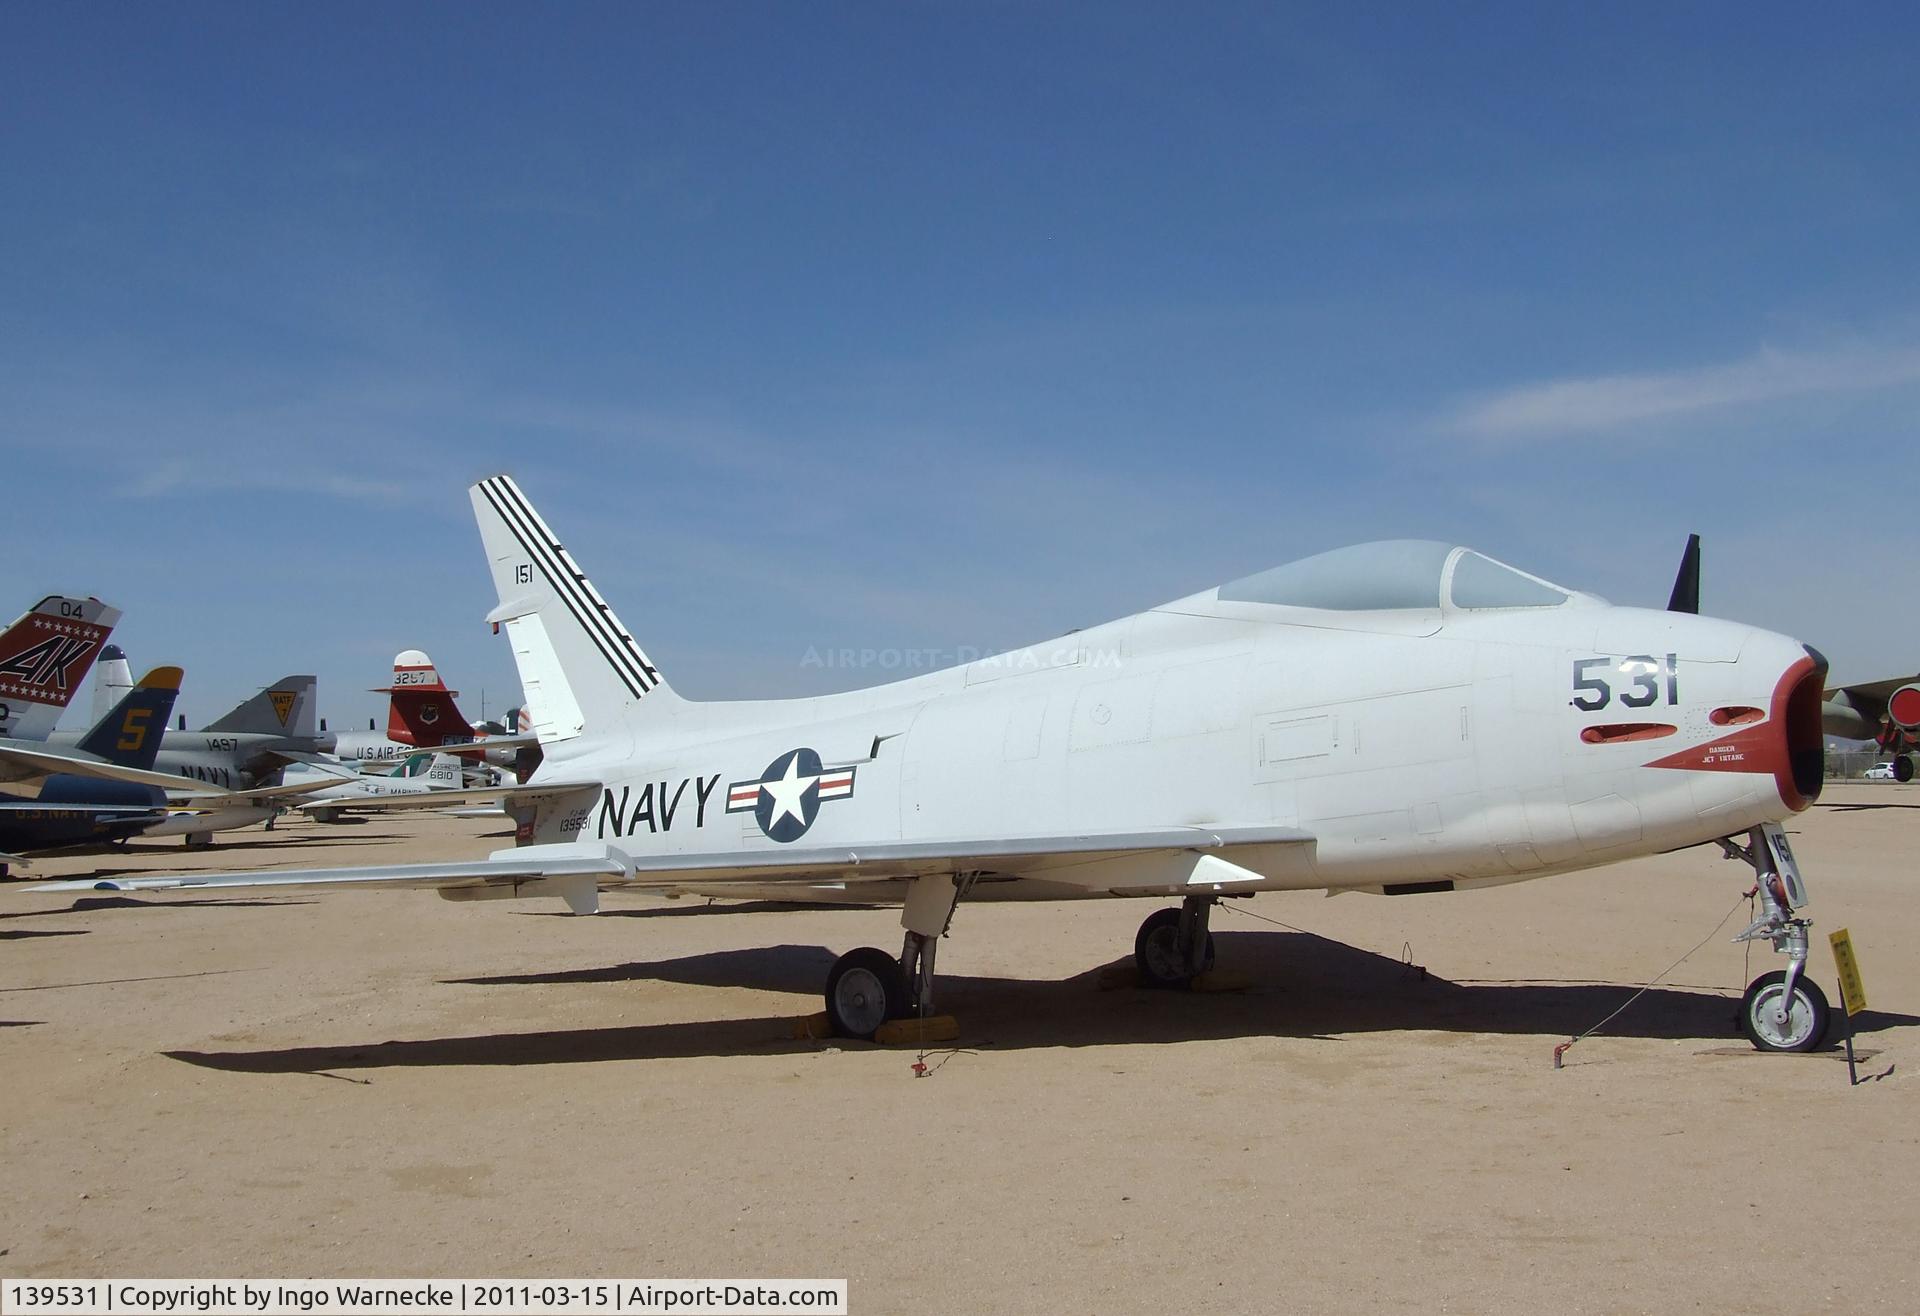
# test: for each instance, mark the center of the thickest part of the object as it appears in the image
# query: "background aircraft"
(422, 714)
(1400, 718)
(112, 678)
(66, 809)
(44, 656)
(1886, 712)
(229, 772)
(425, 773)
(245, 747)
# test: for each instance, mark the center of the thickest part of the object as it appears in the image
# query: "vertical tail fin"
(285, 708)
(112, 678)
(1686, 585)
(129, 735)
(580, 668)
(44, 656)
(420, 708)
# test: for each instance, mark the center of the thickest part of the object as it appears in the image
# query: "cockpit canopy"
(1396, 574)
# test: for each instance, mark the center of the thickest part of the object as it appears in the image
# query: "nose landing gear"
(1783, 1010)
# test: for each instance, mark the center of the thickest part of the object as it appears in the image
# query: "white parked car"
(1879, 772)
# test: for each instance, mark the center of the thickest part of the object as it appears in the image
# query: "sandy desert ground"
(389, 1084)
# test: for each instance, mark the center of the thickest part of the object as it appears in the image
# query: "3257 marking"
(1647, 674)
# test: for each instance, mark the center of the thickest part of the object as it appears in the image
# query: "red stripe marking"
(1758, 747)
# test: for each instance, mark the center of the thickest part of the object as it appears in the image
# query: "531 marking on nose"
(1645, 673)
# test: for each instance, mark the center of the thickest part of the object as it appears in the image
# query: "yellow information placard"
(1851, 988)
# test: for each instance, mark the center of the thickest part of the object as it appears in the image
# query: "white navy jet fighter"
(1392, 717)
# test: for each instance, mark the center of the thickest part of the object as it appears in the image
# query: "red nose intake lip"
(1798, 714)
(1788, 744)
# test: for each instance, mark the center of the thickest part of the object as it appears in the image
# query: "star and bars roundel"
(787, 797)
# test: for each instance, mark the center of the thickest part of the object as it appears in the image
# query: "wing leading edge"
(1150, 862)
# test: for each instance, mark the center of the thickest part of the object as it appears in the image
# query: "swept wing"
(575, 871)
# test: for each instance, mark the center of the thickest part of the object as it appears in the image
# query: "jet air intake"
(1903, 707)
(1797, 705)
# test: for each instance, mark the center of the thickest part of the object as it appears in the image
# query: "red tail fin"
(420, 708)
(44, 656)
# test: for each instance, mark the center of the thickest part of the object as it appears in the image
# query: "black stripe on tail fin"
(580, 667)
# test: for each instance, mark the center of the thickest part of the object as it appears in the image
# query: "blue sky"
(913, 327)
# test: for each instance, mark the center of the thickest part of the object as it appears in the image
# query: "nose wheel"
(1783, 1009)
(1780, 1016)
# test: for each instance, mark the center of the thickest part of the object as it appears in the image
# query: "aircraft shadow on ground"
(23, 934)
(1302, 987)
(1856, 808)
(684, 910)
(268, 841)
(88, 904)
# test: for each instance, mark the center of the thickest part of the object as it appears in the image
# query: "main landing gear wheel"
(1158, 952)
(864, 990)
(1775, 1020)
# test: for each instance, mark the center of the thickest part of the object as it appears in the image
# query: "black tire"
(1807, 1019)
(1903, 767)
(1156, 951)
(864, 990)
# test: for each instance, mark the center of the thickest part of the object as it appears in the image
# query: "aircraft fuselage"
(70, 810)
(1422, 749)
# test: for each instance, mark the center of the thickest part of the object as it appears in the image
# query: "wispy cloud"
(1600, 403)
(175, 477)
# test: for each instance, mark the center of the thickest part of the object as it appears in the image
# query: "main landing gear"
(1173, 946)
(867, 987)
(1783, 1010)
